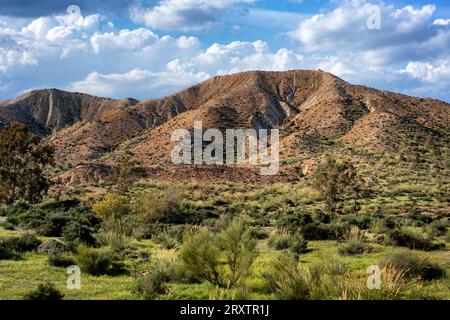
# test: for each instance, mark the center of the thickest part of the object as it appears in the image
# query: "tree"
(334, 179)
(127, 171)
(22, 164)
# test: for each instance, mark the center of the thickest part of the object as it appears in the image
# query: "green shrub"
(153, 283)
(298, 244)
(24, 243)
(110, 238)
(50, 219)
(166, 240)
(44, 291)
(412, 240)
(7, 225)
(294, 221)
(419, 217)
(98, 262)
(338, 230)
(295, 243)
(57, 259)
(391, 222)
(222, 259)
(280, 242)
(288, 279)
(438, 228)
(52, 224)
(6, 253)
(322, 217)
(76, 232)
(354, 247)
(152, 207)
(111, 207)
(414, 265)
(330, 280)
(316, 231)
(181, 273)
(363, 222)
(259, 233)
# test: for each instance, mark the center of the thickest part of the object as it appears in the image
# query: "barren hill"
(45, 111)
(316, 112)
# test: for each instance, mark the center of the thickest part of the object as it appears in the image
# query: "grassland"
(262, 206)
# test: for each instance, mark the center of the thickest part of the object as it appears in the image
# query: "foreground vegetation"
(168, 241)
(315, 238)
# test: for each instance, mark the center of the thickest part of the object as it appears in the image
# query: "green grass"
(20, 276)
(393, 193)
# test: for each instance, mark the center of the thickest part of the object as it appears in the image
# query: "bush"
(7, 225)
(298, 244)
(110, 238)
(112, 207)
(222, 259)
(438, 228)
(291, 280)
(419, 217)
(354, 247)
(24, 243)
(280, 242)
(57, 259)
(152, 207)
(76, 233)
(6, 253)
(295, 243)
(322, 217)
(50, 219)
(52, 224)
(259, 233)
(337, 231)
(412, 240)
(363, 222)
(330, 280)
(98, 262)
(45, 291)
(414, 265)
(166, 241)
(153, 283)
(294, 221)
(392, 222)
(316, 231)
(288, 280)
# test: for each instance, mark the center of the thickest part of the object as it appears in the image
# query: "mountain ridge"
(317, 113)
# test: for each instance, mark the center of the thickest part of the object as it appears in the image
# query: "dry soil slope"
(49, 110)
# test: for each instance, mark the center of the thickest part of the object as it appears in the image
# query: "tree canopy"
(22, 164)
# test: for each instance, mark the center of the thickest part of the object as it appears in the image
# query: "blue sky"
(147, 49)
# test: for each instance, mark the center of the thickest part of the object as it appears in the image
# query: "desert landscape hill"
(317, 114)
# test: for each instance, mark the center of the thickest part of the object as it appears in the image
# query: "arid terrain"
(364, 181)
(316, 112)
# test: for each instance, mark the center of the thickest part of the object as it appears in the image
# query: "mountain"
(46, 111)
(317, 113)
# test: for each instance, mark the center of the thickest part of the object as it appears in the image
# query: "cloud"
(442, 22)
(406, 33)
(188, 70)
(183, 15)
(136, 83)
(436, 71)
(33, 8)
(243, 56)
(57, 50)
(89, 53)
(124, 39)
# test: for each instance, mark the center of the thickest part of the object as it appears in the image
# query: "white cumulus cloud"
(183, 15)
